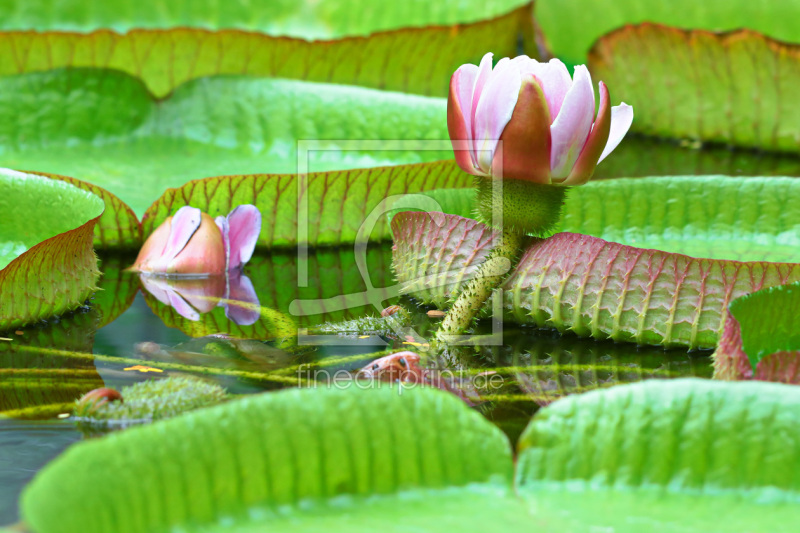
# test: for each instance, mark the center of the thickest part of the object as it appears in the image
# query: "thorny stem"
(489, 276)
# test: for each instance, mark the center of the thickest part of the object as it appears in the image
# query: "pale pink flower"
(191, 243)
(544, 118)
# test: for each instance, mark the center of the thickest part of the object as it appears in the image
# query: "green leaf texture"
(734, 88)
(104, 127)
(280, 459)
(665, 456)
(326, 208)
(761, 337)
(403, 47)
(717, 217)
(570, 27)
(47, 264)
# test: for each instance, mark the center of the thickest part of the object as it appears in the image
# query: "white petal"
(573, 124)
(498, 98)
(621, 119)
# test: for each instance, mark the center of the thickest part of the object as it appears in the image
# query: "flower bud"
(544, 118)
(192, 243)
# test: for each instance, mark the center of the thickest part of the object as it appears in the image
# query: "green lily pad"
(570, 27)
(713, 217)
(168, 44)
(104, 127)
(48, 266)
(665, 456)
(118, 226)
(733, 88)
(761, 338)
(279, 459)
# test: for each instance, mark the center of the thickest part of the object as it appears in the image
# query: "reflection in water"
(642, 156)
(191, 297)
(34, 384)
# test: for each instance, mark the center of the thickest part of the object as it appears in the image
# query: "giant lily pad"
(761, 338)
(105, 128)
(361, 459)
(570, 27)
(47, 265)
(279, 459)
(733, 88)
(669, 456)
(387, 47)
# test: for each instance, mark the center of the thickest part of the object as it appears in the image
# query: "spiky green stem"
(491, 272)
(516, 208)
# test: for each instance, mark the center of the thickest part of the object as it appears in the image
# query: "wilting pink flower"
(545, 119)
(192, 297)
(192, 243)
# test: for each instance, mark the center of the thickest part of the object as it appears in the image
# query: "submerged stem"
(489, 276)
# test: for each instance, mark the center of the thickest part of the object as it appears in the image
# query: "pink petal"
(242, 305)
(621, 119)
(526, 137)
(204, 254)
(484, 72)
(182, 308)
(459, 118)
(224, 229)
(244, 227)
(554, 78)
(571, 128)
(184, 224)
(583, 170)
(157, 287)
(494, 110)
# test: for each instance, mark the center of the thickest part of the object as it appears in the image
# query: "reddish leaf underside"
(583, 284)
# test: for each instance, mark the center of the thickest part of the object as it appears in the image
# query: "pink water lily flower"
(545, 118)
(192, 243)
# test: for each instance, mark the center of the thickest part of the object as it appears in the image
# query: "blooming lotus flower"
(193, 297)
(192, 243)
(545, 118)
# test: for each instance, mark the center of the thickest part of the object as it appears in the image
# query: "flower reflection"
(192, 297)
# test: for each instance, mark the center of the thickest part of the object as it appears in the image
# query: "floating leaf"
(338, 204)
(356, 459)
(570, 27)
(733, 88)
(748, 219)
(118, 226)
(47, 265)
(397, 57)
(584, 284)
(104, 127)
(667, 456)
(761, 338)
